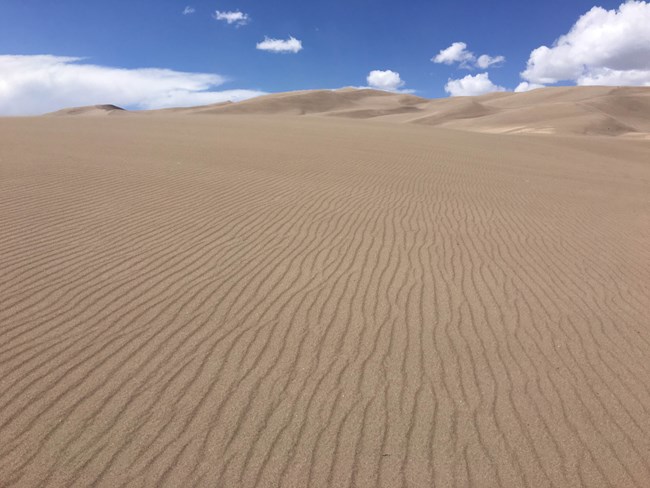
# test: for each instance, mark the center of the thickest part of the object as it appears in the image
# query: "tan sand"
(286, 301)
(91, 110)
(598, 110)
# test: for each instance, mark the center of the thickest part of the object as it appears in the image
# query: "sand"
(597, 110)
(92, 110)
(288, 300)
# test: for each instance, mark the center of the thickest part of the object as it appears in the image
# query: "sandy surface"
(284, 301)
(591, 110)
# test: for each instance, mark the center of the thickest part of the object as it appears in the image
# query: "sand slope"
(311, 102)
(567, 110)
(610, 111)
(563, 110)
(92, 110)
(315, 301)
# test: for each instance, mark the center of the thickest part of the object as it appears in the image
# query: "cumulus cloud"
(291, 45)
(524, 86)
(238, 18)
(35, 84)
(189, 10)
(605, 47)
(385, 80)
(479, 84)
(458, 53)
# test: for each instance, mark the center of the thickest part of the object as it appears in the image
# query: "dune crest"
(609, 111)
(312, 102)
(91, 110)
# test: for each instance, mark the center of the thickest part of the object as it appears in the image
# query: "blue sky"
(342, 41)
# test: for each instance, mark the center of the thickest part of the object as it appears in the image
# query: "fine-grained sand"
(284, 301)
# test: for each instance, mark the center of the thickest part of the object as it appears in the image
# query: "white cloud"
(36, 84)
(484, 61)
(238, 18)
(606, 47)
(479, 84)
(458, 53)
(524, 86)
(291, 45)
(385, 80)
(189, 10)
(606, 76)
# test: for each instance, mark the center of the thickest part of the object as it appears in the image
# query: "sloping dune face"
(314, 301)
(564, 110)
(92, 110)
(568, 110)
(315, 102)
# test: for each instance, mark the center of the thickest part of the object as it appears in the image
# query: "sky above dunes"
(154, 54)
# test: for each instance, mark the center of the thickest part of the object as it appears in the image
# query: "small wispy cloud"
(189, 10)
(458, 53)
(235, 17)
(484, 61)
(291, 45)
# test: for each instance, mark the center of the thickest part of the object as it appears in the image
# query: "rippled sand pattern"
(249, 301)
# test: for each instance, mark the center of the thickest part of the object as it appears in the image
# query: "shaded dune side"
(627, 105)
(565, 110)
(339, 303)
(558, 117)
(454, 109)
(369, 113)
(91, 110)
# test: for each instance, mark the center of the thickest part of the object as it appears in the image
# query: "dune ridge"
(562, 110)
(610, 111)
(311, 102)
(91, 110)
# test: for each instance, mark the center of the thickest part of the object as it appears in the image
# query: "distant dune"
(611, 111)
(329, 289)
(568, 110)
(92, 110)
(312, 102)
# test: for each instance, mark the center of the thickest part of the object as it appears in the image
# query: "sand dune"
(292, 301)
(611, 111)
(313, 102)
(565, 111)
(92, 110)
(450, 109)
